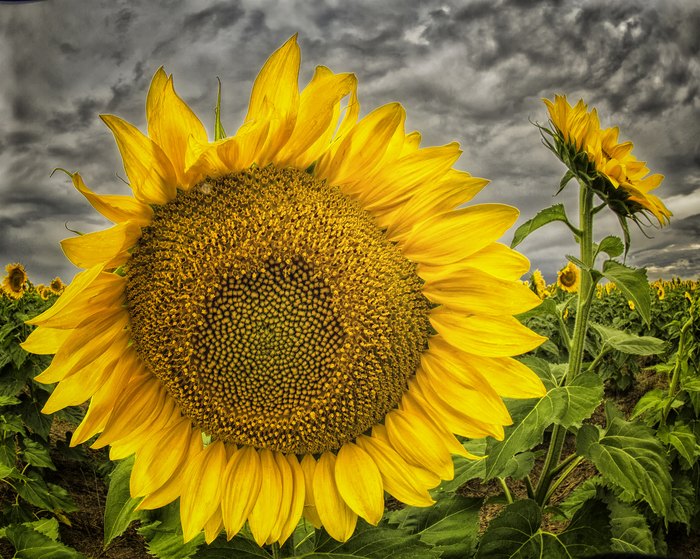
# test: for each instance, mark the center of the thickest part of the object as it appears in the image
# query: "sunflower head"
(594, 155)
(56, 286)
(304, 295)
(15, 282)
(539, 285)
(569, 278)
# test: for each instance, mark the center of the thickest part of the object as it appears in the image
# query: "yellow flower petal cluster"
(623, 173)
(539, 284)
(304, 295)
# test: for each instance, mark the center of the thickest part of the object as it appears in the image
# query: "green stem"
(529, 487)
(585, 298)
(675, 376)
(506, 491)
(563, 476)
(599, 358)
(275, 548)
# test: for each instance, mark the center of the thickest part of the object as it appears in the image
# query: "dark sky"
(474, 72)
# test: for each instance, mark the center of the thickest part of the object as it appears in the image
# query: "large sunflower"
(302, 296)
(626, 184)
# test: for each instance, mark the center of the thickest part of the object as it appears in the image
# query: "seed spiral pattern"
(275, 311)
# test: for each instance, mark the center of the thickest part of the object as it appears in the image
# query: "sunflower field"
(309, 340)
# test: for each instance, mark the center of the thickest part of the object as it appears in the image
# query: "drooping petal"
(296, 507)
(118, 209)
(241, 487)
(359, 482)
(106, 247)
(201, 495)
(308, 466)
(337, 517)
(265, 512)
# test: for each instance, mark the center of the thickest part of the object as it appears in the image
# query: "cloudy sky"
(470, 71)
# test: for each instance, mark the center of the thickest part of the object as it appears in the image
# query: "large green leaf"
(163, 534)
(682, 438)
(238, 547)
(543, 217)
(632, 458)
(630, 532)
(451, 526)
(633, 283)
(48, 496)
(374, 543)
(612, 246)
(629, 343)
(120, 509)
(516, 534)
(36, 454)
(565, 405)
(683, 501)
(466, 469)
(32, 544)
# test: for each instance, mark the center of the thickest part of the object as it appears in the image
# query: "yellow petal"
(489, 336)
(287, 493)
(45, 341)
(363, 148)
(359, 482)
(74, 292)
(275, 97)
(308, 466)
(117, 209)
(84, 346)
(499, 261)
(471, 291)
(296, 507)
(454, 189)
(171, 122)
(142, 398)
(337, 517)
(418, 443)
(398, 477)
(156, 462)
(173, 488)
(450, 237)
(103, 401)
(106, 247)
(213, 526)
(142, 435)
(263, 516)
(150, 173)
(201, 494)
(424, 477)
(319, 108)
(202, 160)
(241, 487)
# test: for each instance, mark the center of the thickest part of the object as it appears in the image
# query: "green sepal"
(219, 133)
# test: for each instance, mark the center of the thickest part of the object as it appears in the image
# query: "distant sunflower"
(539, 285)
(626, 184)
(569, 278)
(56, 286)
(15, 282)
(305, 294)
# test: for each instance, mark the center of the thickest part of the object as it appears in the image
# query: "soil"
(88, 490)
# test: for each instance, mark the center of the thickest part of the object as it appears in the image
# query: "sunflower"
(15, 282)
(569, 278)
(303, 296)
(626, 184)
(539, 284)
(56, 286)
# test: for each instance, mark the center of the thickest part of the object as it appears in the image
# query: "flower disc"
(275, 311)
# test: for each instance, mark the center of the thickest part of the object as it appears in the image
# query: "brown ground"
(89, 492)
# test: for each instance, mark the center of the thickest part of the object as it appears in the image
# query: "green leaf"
(543, 217)
(630, 532)
(683, 502)
(9, 400)
(120, 509)
(6, 471)
(633, 283)
(466, 469)
(566, 179)
(565, 405)
(238, 547)
(374, 543)
(578, 262)
(32, 544)
(36, 454)
(630, 457)
(7, 452)
(516, 534)
(450, 527)
(612, 246)
(650, 406)
(164, 537)
(47, 526)
(682, 438)
(629, 343)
